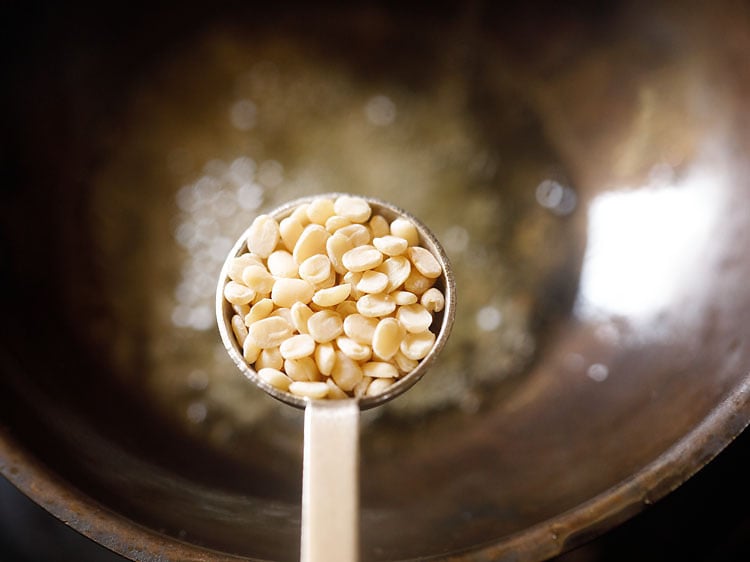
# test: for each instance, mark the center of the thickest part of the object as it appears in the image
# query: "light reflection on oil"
(271, 173)
(242, 115)
(558, 198)
(489, 318)
(645, 244)
(598, 372)
(380, 111)
(222, 195)
(456, 240)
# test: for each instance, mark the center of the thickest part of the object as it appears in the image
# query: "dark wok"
(588, 166)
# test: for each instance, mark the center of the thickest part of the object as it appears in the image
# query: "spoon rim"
(445, 318)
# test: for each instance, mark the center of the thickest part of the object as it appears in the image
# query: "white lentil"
(352, 349)
(418, 283)
(284, 313)
(300, 315)
(346, 372)
(269, 332)
(355, 209)
(403, 228)
(353, 278)
(328, 283)
(237, 293)
(356, 294)
(425, 262)
(263, 236)
(325, 358)
(335, 222)
(414, 317)
(269, 358)
(433, 300)
(300, 214)
(288, 291)
(376, 305)
(362, 258)
(302, 369)
(282, 264)
(312, 241)
(360, 328)
(378, 386)
(336, 246)
(301, 345)
(334, 392)
(379, 370)
(275, 378)
(398, 269)
(290, 230)
(325, 326)
(258, 279)
(250, 351)
(417, 346)
(357, 234)
(238, 264)
(333, 295)
(360, 389)
(241, 309)
(259, 310)
(239, 329)
(314, 390)
(379, 227)
(320, 210)
(372, 282)
(404, 364)
(316, 269)
(391, 245)
(346, 308)
(404, 298)
(387, 338)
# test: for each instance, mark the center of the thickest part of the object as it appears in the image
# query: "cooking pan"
(585, 167)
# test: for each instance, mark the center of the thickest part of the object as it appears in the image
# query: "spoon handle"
(330, 491)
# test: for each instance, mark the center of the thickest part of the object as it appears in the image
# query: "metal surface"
(639, 376)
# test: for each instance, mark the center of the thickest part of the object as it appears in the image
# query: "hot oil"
(230, 126)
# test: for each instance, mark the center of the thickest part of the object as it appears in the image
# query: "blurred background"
(143, 135)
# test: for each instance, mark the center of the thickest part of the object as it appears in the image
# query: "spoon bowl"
(442, 321)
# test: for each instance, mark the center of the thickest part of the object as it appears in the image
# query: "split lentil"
(333, 301)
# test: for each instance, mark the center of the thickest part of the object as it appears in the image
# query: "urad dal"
(333, 301)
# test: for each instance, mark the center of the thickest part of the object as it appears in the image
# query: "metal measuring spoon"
(330, 488)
